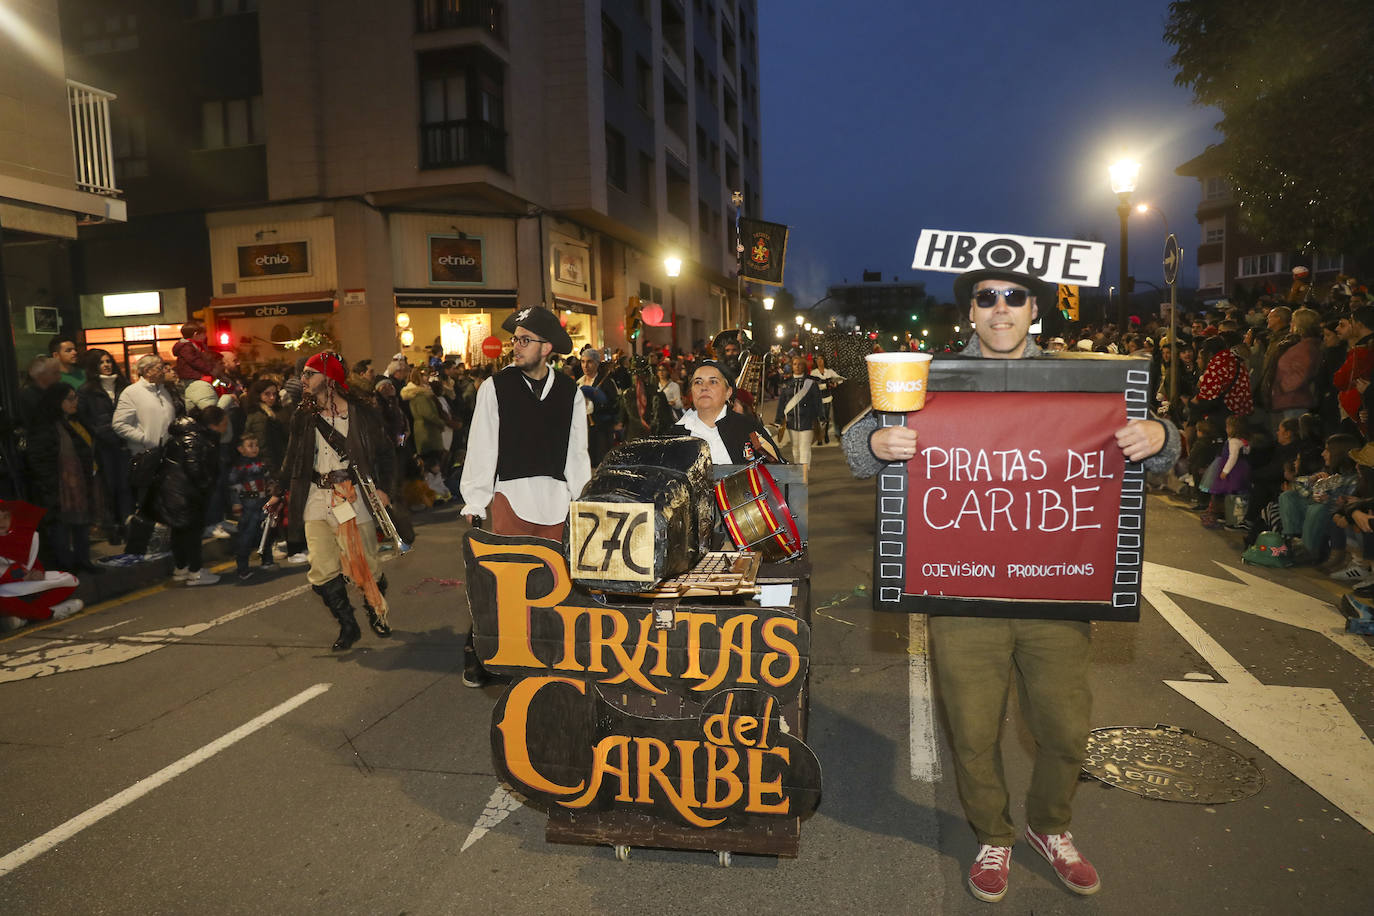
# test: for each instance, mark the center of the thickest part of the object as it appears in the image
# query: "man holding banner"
(974, 656)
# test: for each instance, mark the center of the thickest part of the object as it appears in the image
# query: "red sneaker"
(1076, 872)
(988, 876)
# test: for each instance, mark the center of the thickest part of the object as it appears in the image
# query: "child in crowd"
(249, 483)
(1203, 449)
(1229, 473)
(1307, 508)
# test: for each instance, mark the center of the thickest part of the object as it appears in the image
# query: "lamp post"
(1123, 175)
(672, 266)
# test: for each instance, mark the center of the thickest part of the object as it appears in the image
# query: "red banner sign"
(1021, 504)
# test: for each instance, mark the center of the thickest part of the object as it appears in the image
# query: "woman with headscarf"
(61, 459)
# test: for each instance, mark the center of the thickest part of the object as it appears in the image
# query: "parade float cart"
(668, 714)
(1018, 501)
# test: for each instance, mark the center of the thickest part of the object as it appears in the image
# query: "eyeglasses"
(987, 298)
(524, 340)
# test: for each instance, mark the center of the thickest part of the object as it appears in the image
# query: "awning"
(464, 299)
(320, 302)
(571, 304)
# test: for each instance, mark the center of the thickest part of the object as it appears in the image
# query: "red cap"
(331, 366)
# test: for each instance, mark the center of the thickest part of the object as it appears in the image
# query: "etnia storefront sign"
(1064, 261)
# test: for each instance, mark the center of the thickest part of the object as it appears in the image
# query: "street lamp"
(768, 303)
(1123, 175)
(672, 266)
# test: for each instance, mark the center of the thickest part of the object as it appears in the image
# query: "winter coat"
(143, 415)
(95, 410)
(1295, 376)
(426, 418)
(808, 409)
(271, 431)
(42, 454)
(190, 467)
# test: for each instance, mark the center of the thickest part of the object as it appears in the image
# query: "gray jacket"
(863, 463)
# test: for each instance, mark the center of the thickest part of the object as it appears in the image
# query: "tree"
(1294, 80)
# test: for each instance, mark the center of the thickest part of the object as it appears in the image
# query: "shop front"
(266, 329)
(455, 282)
(135, 324)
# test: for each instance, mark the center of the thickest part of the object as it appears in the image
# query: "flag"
(765, 249)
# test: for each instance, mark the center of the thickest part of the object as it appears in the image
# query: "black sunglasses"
(987, 298)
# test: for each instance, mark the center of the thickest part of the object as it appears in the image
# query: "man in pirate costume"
(332, 430)
(527, 446)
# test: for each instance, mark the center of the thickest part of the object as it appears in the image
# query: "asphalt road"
(202, 751)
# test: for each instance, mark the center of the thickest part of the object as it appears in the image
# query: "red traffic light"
(224, 338)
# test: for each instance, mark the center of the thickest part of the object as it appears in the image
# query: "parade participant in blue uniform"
(974, 656)
(527, 446)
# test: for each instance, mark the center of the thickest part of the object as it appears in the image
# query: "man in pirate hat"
(332, 429)
(527, 446)
(974, 656)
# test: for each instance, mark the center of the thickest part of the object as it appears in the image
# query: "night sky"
(884, 117)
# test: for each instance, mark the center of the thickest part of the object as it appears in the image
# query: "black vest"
(534, 434)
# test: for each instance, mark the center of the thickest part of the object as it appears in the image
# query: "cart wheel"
(622, 853)
(724, 858)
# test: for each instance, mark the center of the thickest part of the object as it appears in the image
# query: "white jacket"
(142, 415)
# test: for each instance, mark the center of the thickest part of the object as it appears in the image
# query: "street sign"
(1068, 301)
(491, 347)
(1172, 255)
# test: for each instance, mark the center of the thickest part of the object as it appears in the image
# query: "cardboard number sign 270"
(1019, 501)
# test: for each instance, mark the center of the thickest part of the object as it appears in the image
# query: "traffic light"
(1068, 302)
(633, 321)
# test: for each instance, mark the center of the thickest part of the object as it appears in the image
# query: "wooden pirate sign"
(691, 715)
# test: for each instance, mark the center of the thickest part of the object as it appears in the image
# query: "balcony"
(449, 144)
(91, 150)
(436, 15)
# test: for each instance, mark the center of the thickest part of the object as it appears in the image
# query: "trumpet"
(380, 516)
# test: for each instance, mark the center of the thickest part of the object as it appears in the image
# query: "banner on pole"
(765, 250)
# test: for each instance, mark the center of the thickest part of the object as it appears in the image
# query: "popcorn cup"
(898, 381)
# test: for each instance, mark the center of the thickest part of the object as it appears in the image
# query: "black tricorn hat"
(1046, 294)
(540, 321)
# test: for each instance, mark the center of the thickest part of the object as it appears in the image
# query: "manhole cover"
(1170, 764)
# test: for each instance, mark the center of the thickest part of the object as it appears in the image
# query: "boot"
(334, 593)
(378, 627)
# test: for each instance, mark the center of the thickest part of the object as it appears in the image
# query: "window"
(435, 15)
(1328, 262)
(612, 50)
(699, 68)
(644, 84)
(649, 293)
(702, 146)
(462, 109)
(105, 34)
(1213, 231)
(210, 9)
(129, 145)
(1258, 265)
(648, 176)
(615, 158)
(1210, 275)
(1216, 188)
(229, 123)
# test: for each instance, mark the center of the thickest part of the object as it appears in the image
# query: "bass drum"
(756, 516)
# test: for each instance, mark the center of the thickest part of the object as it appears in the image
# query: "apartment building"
(404, 172)
(55, 174)
(1227, 258)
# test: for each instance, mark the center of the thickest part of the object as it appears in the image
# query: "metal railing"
(445, 144)
(433, 15)
(91, 150)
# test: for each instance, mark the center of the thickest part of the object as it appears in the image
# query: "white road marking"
(1306, 730)
(925, 751)
(502, 804)
(71, 828)
(60, 656)
(114, 626)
